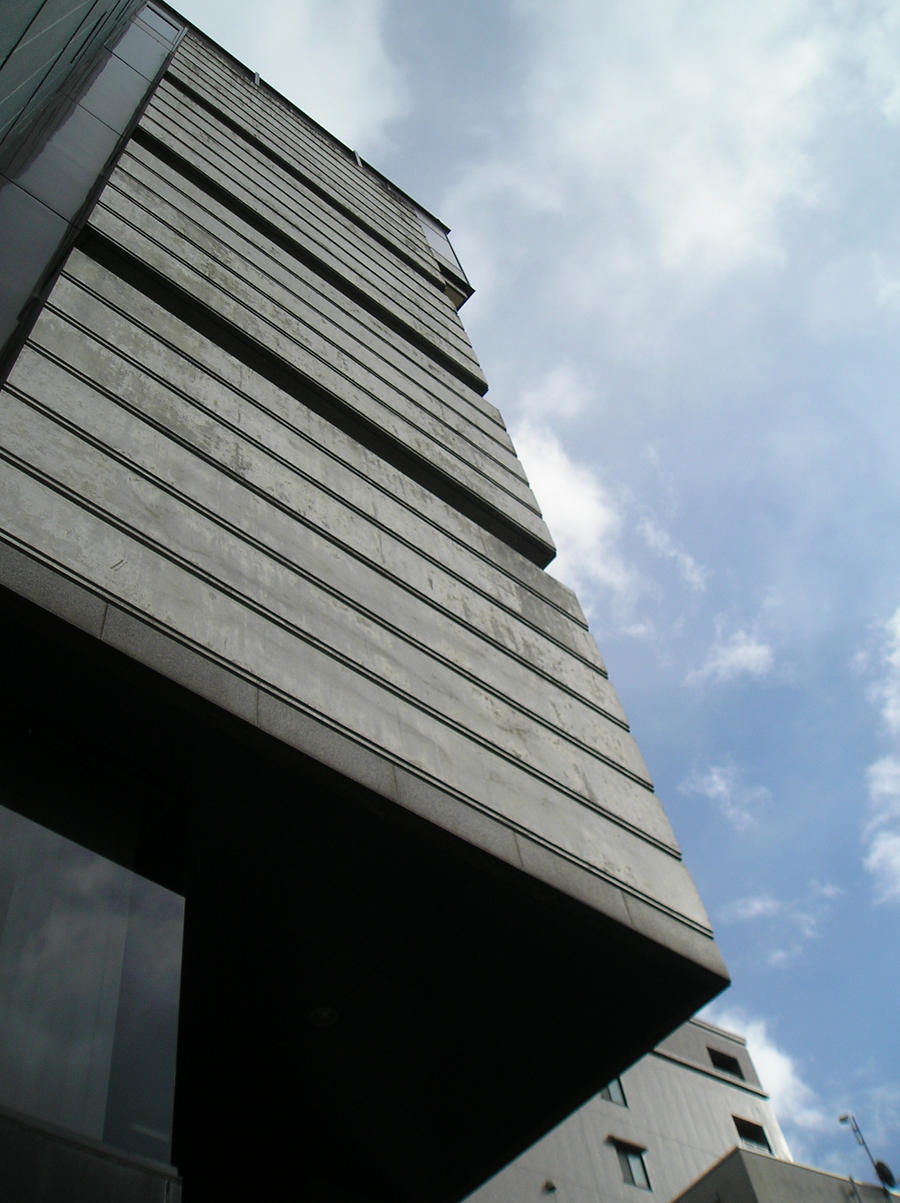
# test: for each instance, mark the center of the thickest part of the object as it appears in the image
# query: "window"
(439, 242)
(752, 1136)
(725, 1062)
(614, 1093)
(456, 285)
(631, 1163)
(90, 970)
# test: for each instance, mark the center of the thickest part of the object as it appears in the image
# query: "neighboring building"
(747, 1177)
(329, 868)
(656, 1127)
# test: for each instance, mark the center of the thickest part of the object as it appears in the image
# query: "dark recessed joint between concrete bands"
(203, 102)
(282, 375)
(284, 242)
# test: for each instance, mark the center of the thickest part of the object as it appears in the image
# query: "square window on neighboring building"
(631, 1163)
(613, 1092)
(725, 1062)
(752, 1136)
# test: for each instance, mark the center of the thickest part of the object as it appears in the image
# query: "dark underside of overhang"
(371, 1009)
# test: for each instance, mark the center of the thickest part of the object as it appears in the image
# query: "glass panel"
(638, 1170)
(440, 244)
(725, 1062)
(160, 23)
(64, 172)
(752, 1135)
(17, 15)
(614, 1093)
(631, 1163)
(115, 94)
(23, 260)
(142, 50)
(56, 21)
(37, 42)
(90, 963)
(40, 60)
(58, 160)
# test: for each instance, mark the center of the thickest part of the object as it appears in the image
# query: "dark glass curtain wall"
(90, 964)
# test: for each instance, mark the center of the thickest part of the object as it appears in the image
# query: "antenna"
(885, 1177)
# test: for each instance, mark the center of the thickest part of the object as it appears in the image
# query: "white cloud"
(721, 784)
(790, 923)
(655, 152)
(826, 889)
(884, 791)
(875, 45)
(796, 1103)
(659, 540)
(883, 862)
(582, 515)
(699, 121)
(882, 1113)
(886, 692)
(799, 1108)
(755, 907)
(741, 654)
(780, 958)
(881, 831)
(643, 630)
(561, 394)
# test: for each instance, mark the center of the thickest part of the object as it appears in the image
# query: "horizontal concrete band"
(200, 68)
(196, 225)
(390, 233)
(203, 141)
(401, 647)
(266, 113)
(269, 505)
(243, 325)
(216, 209)
(464, 814)
(230, 628)
(150, 162)
(99, 323)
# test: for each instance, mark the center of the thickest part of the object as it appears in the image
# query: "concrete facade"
(260, 524)
(675, 1106)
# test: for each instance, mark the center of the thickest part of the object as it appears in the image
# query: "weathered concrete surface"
(157, 466)
(245, 448)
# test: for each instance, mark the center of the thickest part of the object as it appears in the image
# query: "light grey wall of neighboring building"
(747, 1177)
(680, 1110)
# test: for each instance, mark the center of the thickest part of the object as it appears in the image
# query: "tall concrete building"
(329, 868)
(658, 1127)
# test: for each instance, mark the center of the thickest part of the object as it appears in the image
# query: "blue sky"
(682, 221)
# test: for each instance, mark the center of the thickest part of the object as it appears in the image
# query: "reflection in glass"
(90, 963)
(155, 19)
(440, 243)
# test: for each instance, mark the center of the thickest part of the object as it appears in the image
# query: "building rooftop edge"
(712, 1027)
(351, 153)
(716, 1075)
(809, 1169)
